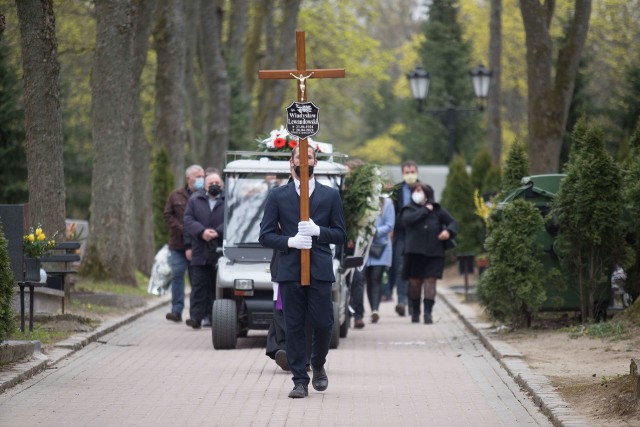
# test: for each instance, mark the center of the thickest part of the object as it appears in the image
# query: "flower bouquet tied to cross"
(282, 140)
(36, 244)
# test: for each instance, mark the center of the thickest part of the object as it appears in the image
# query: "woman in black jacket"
(427, 227)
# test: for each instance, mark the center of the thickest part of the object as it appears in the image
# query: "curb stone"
(538, 386)
(16, 373)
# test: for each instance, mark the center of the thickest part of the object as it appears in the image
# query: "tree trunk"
(252, 46)
(143, 244)
(549, 98)
(280, 55)
(495, 65)
(110, 246)
(43, 116)
(170, 45)
(237, 28)
(195, 114)
(217, 84)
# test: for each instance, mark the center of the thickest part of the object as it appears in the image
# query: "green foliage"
(457, 198)
(613, 330)
(515, 167)
(13, 160)
(447, 56)
(7, 289)
(240, 120)
(631, 203)
(161, 187)
(511, 290)
(360, 200)
(588, 209)
(484, 175)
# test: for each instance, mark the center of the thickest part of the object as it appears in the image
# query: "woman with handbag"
(380, 255)
(429, 229)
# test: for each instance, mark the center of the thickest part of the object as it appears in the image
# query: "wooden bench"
(60, 263)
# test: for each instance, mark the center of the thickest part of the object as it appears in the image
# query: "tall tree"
(214, 68)
(169, 36)
(143, 245)
(195, 111)
(43, 117)
(446, 56)
(495, 65)
(109, 252)
(279, 54)
(549, 96)
(13, 180)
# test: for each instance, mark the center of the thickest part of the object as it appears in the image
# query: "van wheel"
(223, 324)
(335, 333)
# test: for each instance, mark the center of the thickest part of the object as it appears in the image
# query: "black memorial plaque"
(303, 119)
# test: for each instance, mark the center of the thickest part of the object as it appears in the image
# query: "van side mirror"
(352, 262)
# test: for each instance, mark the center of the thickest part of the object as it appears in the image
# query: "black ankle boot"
(415, 310)
(428, 307)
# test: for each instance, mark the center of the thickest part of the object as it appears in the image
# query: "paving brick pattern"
(394, 373)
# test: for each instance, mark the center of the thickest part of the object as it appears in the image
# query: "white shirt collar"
(312, 185)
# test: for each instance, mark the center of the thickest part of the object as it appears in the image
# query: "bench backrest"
(12, 219)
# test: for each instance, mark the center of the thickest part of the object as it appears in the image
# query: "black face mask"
(297, 170)
(214, 190)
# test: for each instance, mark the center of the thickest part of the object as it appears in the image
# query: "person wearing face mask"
(325, 226)
(427, 226)
(204, 222)
(179, 248)
(401, 197)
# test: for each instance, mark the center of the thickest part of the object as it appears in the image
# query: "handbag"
(376, 250)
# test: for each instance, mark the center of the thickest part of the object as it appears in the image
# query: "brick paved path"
(153, 372)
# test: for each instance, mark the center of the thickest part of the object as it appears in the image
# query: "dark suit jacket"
(283, 207)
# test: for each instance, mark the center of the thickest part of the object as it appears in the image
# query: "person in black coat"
(204, 221)
(427, 227)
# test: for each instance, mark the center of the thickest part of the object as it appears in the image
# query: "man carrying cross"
(325, 226)
(310, 217)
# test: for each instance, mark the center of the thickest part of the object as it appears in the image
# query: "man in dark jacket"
(204, 222)
(174, 218)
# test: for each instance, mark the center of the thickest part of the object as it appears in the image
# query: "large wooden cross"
(301, 73)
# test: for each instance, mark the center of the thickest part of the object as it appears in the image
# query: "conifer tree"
(457, 198)
(13, 160)
(7, 290)
(631, 202)
(511, 289)
(588, 209)
(161, 186)
(515, 167)
(480, 168)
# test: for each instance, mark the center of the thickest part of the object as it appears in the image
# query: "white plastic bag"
(160, 279)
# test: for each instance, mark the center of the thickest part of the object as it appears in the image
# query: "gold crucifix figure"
(301, 79)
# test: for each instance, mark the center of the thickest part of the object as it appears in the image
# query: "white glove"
(308, 228)
(300, 242)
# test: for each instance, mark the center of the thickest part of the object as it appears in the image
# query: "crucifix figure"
(302, 86)
(302, 74)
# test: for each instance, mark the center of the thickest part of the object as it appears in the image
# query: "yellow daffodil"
(31, 238)
(41, 237)
(38, 231)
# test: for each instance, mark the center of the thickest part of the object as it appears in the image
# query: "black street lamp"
(419, 80)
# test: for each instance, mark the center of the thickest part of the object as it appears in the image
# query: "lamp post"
(419, 80)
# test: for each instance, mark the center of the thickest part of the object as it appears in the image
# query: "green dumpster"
(540, 190)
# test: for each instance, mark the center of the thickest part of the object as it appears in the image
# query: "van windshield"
(246, 197)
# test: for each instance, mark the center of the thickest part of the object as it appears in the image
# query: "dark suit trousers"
(202, 291)
(299, 303)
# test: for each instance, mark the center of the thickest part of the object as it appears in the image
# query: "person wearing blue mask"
(174, 218)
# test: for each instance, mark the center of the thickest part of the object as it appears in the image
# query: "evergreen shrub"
(161, 186)
(7, 289)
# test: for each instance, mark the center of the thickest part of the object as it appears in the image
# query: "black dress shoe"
(299, 391)
(195, 324)
(176, 317)
(281, 360)
(320, 381)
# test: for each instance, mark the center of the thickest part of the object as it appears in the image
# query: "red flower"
(292, 143)
(279, 142)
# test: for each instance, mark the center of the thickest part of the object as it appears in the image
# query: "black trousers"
(202, 291)
(301, 303)
(277, 338)
(356, 291)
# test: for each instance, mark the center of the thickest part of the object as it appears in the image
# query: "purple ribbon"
(279, 300)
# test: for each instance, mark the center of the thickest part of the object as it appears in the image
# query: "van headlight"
(243, 287)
